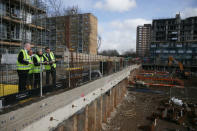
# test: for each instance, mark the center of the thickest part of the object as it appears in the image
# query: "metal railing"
(68, 76)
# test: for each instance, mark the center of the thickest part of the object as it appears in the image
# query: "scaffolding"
(20, 22)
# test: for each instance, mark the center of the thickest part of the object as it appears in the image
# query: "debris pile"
(176, 111)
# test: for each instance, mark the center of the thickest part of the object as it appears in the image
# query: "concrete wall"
(93, 115)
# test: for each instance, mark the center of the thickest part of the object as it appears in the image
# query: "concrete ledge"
(38, 116)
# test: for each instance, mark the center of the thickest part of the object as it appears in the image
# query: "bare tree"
(129, 53)
(55, 7)
(99, 42)
(112, 52)
(73, 10)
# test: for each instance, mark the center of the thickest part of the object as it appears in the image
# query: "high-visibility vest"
(26, 57)
(31, 66)
(48, 67)
(37, 69)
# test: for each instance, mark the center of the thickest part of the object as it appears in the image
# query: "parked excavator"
(182, 72)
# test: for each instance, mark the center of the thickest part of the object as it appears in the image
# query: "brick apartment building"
(143, 39)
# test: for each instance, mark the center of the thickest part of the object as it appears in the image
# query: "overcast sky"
(118, 19)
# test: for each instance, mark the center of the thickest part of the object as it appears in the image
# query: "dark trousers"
(30, 80)
(51, 72)
(36, 80)
(23, 75)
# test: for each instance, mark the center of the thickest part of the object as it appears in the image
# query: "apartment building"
(76, 32)
(143, 39)
(174, 37)
(18, 24)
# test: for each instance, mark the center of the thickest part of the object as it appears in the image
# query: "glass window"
(172, 51)
(158, 51)
(189, 51)
(188, 57)
(180, 51)
(174, 38)
(194, 45)
(179, 45)
(165, 51)
(164, 45)
(153, 46)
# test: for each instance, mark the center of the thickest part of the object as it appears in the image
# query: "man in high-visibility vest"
(23, 62)
(51, 66)
(38, 60)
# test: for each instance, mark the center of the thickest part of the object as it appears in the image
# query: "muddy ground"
(134, 113)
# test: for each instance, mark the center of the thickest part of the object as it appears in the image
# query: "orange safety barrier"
(159, 79)
(162, 85)
(158, 72)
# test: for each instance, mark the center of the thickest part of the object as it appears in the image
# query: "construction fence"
(69, 74)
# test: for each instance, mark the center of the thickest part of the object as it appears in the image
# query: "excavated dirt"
(134, 114)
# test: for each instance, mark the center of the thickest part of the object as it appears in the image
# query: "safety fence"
(67, 76)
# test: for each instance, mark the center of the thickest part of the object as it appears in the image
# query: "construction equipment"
(183, 72)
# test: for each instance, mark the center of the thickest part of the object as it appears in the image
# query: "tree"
(109, 53)
(129, 53)
(99, 41)
(73, 10)
(55, 7)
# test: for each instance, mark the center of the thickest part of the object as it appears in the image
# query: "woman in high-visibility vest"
(38, 60)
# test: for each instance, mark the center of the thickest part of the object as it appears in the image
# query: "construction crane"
(183, 73)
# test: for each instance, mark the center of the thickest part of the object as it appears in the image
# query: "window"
(180, 51)
(164, 45)
(194, 45)
(174, 38)
(189, 51)
(172, 51)
(158, 51)
(174, 32)
(188, 57)
(3, 31)
(165, 51)
(179, 45)
(2, 9)
(153, 46)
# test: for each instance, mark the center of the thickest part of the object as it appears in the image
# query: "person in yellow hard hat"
(23, 61)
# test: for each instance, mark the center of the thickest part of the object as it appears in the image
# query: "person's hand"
(30, 62)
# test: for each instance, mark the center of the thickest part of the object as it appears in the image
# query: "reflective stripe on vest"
(37, 69)
(26, 57)
(48, 67)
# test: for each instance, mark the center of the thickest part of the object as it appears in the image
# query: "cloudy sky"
(118, 19)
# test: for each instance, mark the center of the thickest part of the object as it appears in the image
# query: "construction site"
(92, 92)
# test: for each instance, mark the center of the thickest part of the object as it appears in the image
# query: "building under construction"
(77, 32)
(174, 37)
(19, 24)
